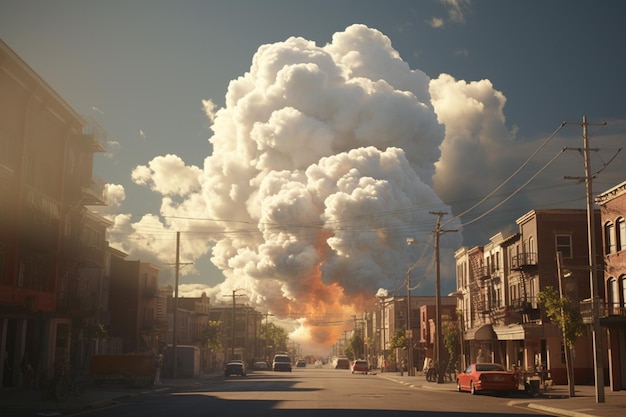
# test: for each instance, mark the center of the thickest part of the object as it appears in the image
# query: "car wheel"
(473, 388)
(458, 386)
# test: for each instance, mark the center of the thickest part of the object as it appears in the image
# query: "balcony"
(96, 135)
(94, 193)
(608, 313)
(524, 261)
(89, 256)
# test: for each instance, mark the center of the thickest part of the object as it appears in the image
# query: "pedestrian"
(482, 358)
(402, 365)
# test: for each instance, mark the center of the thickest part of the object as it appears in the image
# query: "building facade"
(499, 284)
(613, 312)
(52, 247)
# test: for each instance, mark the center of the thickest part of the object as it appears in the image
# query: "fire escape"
(480, 309)
(526, 265)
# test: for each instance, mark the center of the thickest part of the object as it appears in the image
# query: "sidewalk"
(556, 401)
(23, 400)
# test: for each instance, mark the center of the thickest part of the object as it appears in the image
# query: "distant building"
(134, 297)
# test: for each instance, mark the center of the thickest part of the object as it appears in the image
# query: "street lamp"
(568, 352)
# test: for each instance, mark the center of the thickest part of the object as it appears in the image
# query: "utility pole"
(175, 309)
(175, 312)
(438, 232)
(593, 284)
(232, 342)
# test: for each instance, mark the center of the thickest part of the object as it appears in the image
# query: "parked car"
(301, 363)
(234, 368)
(486, 377)
(260, 365)
(281, 363)
(360, 365)
(342, 363)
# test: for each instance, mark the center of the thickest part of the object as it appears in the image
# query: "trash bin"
(535, 383)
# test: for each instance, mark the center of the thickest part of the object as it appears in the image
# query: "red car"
(486, 377)
(360, 366)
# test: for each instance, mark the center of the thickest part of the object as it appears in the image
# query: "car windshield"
(489, 367)
(282, 359)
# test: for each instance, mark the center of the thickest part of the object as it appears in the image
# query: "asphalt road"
(308, 392)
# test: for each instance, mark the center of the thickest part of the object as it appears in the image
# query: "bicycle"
(63, 384)
(432, 374)
(451, 372)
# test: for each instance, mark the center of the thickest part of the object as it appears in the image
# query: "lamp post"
(568, 351)
(383, 312)
(409, 330)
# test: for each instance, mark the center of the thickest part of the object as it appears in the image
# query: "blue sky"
(515, 71)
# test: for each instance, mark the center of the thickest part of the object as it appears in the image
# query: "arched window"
(609, 238)
(621, 234)
(613, 297)
(622, 285)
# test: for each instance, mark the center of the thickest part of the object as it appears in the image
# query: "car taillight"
(482, 377)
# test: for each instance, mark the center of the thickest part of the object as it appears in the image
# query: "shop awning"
(483, 332)
(520, 331)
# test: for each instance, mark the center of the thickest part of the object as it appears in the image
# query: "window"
(609, 238)
(2, 256)
(622, 285)
(613, 297)
(621, 234)
(564, 245)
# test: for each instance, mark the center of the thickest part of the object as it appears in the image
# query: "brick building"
(613, 316)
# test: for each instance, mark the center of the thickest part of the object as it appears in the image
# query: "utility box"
(188, 360)
(135, 370)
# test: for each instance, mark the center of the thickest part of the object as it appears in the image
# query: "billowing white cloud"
(115, 195)
(325, 160)
(476, 140)
(168, 175)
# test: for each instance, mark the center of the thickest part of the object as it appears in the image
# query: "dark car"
(234, 368)
(301, 363)
(281, 363)
(342, 363)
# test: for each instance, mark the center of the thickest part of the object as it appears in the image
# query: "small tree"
(451, 337)
(354, 350)
(561, 311)
(398, 340)
(212, 336)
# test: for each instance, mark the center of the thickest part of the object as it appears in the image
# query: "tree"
(275, 336)
(451, 337)
(212, 335)
(398, 340)
(354, 349)
(561, 311)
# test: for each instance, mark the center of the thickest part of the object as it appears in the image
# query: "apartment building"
(134, 305)
(498, 285)
(52, 247)
(390, 314)
(613, 312)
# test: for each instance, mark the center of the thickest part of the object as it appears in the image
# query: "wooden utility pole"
(438, 232)
(593, 283)
(175, 309)
(175, 312)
